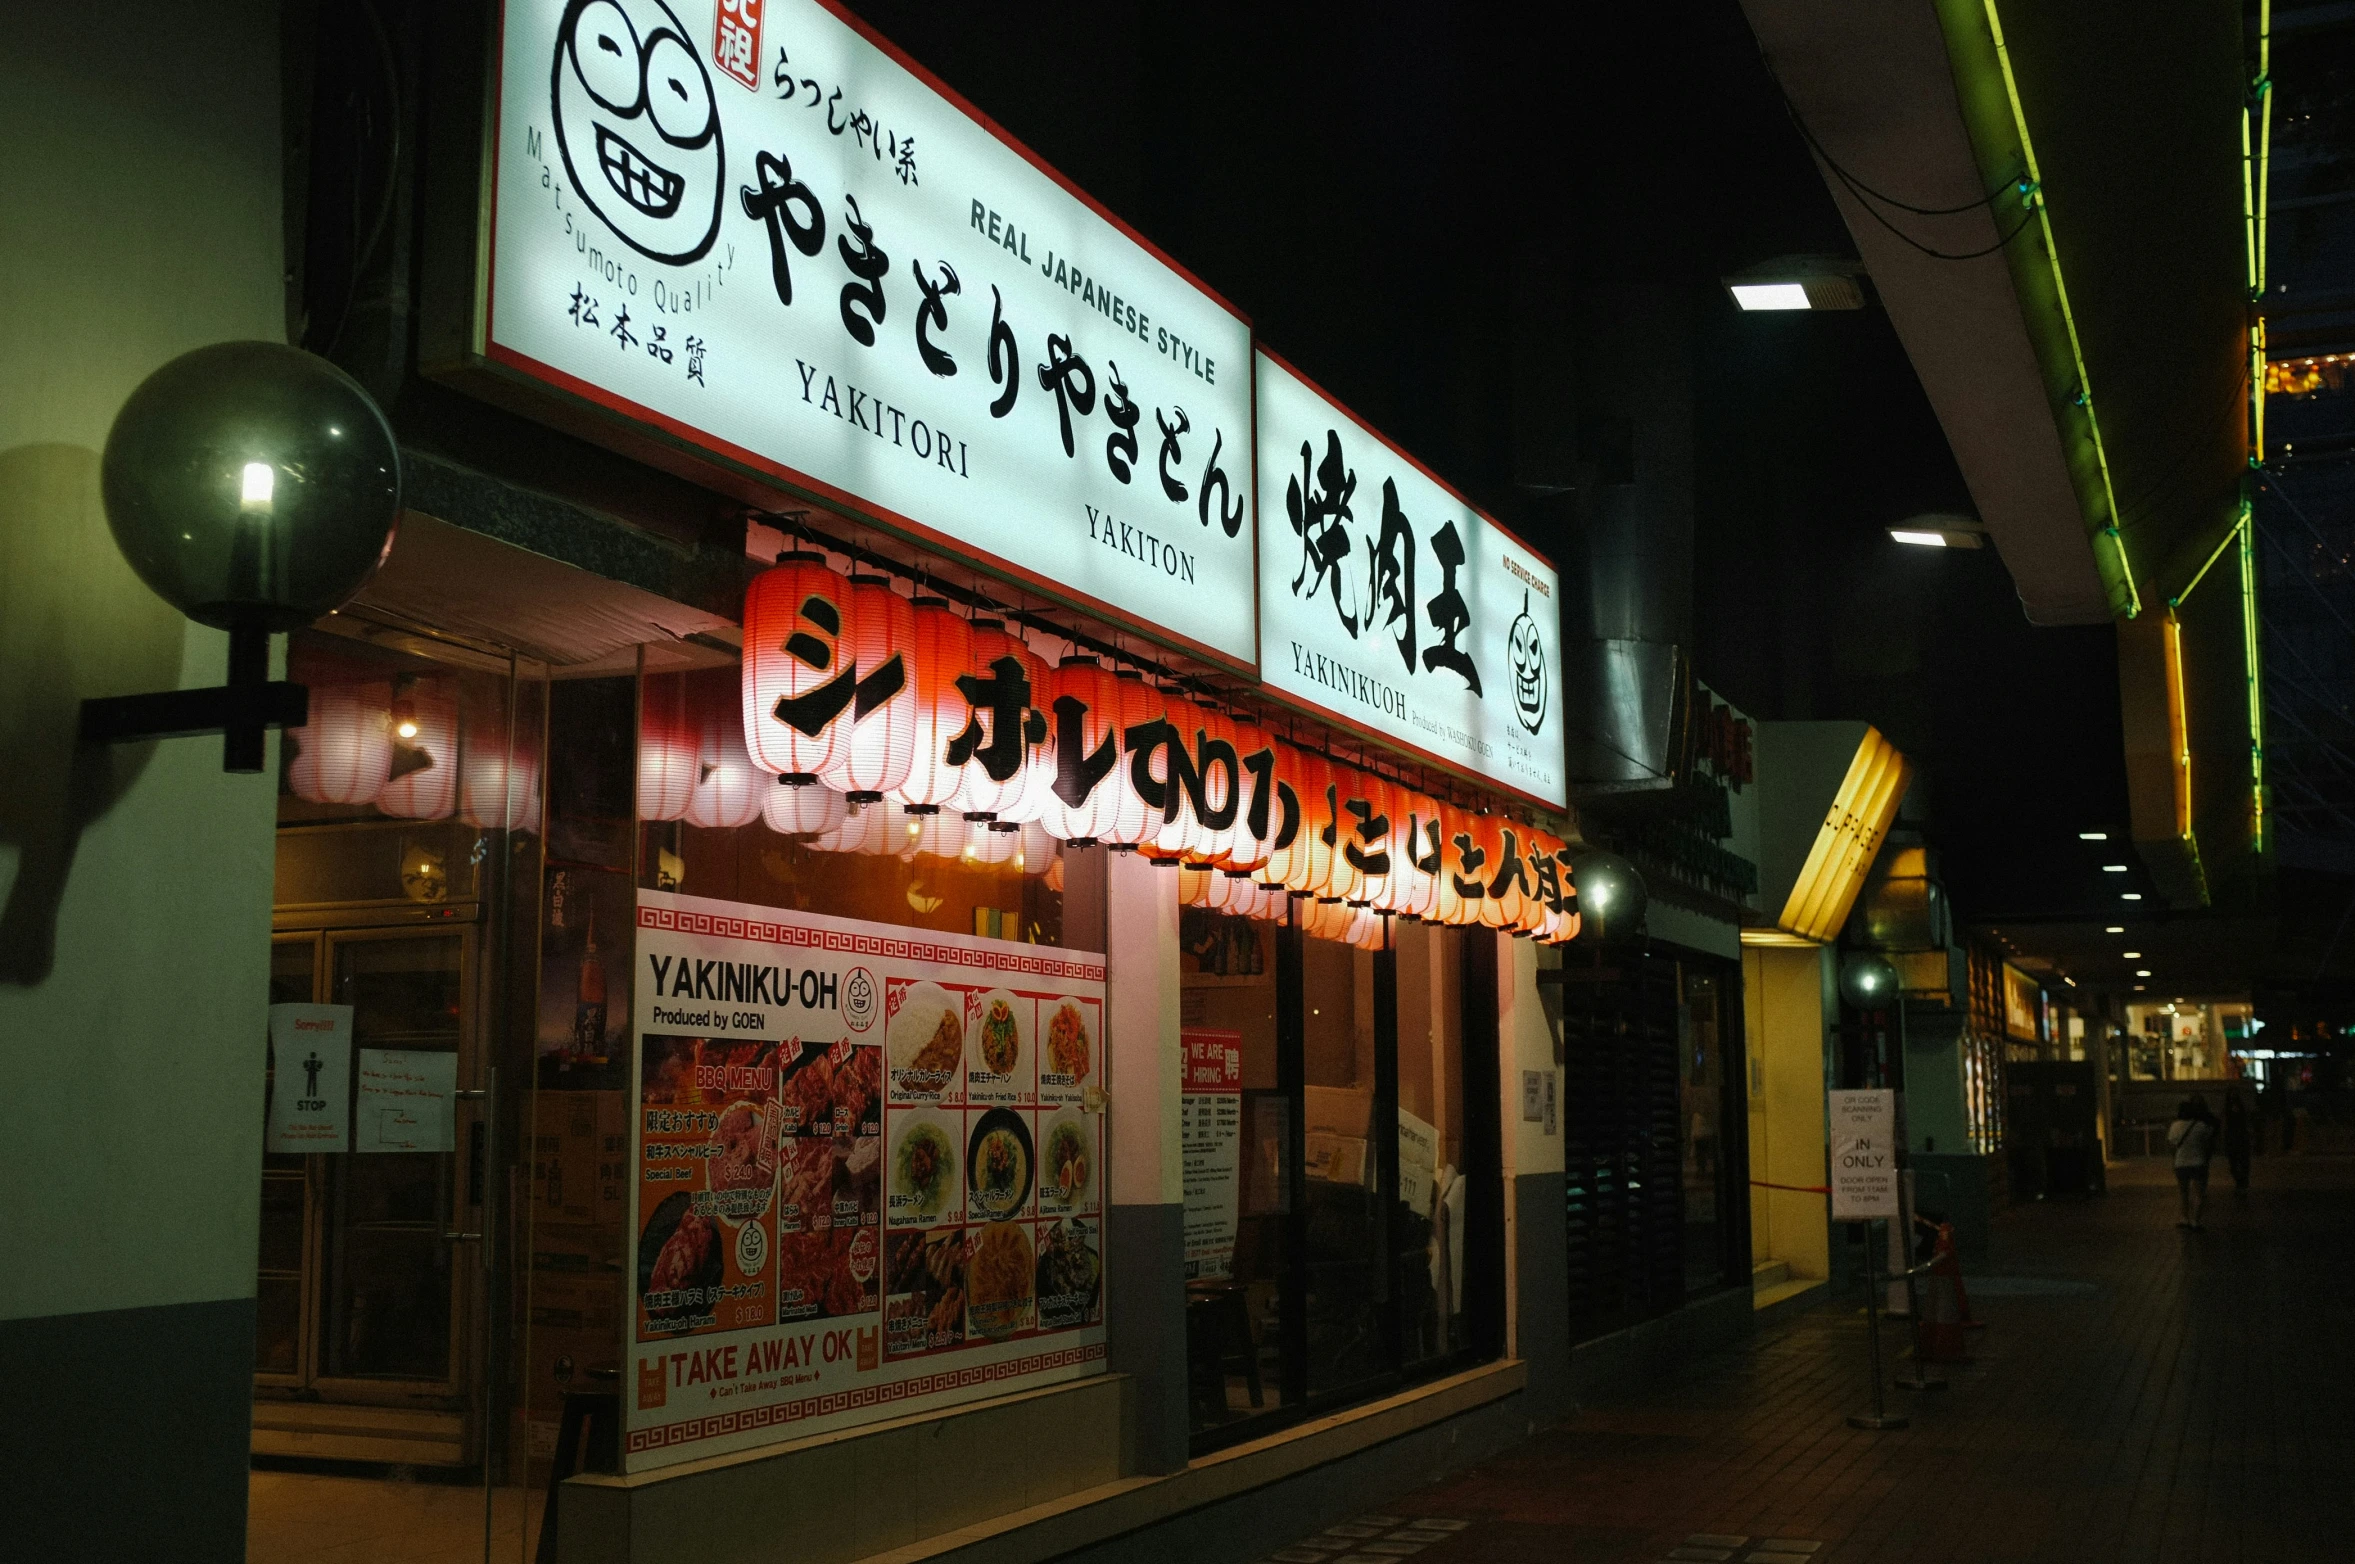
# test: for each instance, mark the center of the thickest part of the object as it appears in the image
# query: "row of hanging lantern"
(855, 697)
(399, 746)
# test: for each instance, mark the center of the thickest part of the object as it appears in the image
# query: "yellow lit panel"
(1781, 939)
(1848, 840)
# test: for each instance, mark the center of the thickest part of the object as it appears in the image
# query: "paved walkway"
(2142, 1394)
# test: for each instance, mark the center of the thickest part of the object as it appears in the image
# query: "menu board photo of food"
(708, 1186)
(865, 1154)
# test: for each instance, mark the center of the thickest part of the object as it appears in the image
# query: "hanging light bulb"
(874, 757)
(423, 784)
(666, 747)
(800, 633)
(343, 755)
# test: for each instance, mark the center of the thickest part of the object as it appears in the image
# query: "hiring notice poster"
(1210, 1138)
(867, 1180)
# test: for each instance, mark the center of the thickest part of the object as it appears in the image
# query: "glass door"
(400, 1224)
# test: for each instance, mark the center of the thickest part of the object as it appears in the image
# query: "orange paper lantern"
(876, 753)
(1085, 694)
(800, 667)
(996, 782)
(942, 648)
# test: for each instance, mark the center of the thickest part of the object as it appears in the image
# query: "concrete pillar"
(144, 197)
(1145, 1263)
(1537, 1261)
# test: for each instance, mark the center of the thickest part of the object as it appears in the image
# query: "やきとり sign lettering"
(748, 225)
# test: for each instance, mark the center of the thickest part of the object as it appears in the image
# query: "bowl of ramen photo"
(998, 1166)
(921, 1175)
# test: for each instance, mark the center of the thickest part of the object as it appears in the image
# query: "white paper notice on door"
(1864, 1154)
(311, 1092)
(404, 1100)
(1210, 1131)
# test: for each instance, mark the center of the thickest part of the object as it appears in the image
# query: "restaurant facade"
(908, 916)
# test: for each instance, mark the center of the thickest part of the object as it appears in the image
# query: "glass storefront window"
(1374, 1268)
(1433, 1213)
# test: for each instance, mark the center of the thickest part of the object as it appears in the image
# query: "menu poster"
(707, 1185)
(311, 1089)
(868, 1180)
(1210, 1135)
(404, 1100)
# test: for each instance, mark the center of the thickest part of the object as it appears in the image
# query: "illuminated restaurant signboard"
(1387, 600)
(753, 229)
(869, 1174)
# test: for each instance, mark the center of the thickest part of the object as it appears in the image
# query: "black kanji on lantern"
(1511, 868)
(1077, 771)
(813, 710)
(1368, 845)
(1014, 724)
(1470, 856)
(783, 206)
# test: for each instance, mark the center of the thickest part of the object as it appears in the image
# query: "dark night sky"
(1380, 186)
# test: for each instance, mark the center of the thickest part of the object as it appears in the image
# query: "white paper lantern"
(344, 753)
(424, 780)
(729, 789)
(809, 810)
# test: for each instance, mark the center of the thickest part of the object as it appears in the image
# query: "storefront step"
(1796, 1295)
(401, 1436)
(946, 1488)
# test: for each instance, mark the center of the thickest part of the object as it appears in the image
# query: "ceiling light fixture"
(2139, 987)
(1799, 282)
(1939, 530)
(2093, 836)
(2142, 972)
(2113, 868)
(2115, 928)
(2131, 955)
(2130, 895)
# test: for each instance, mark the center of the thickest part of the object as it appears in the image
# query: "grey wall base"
(1252, 1525)
(1145, 1322)
(1627, 1360)
(1542, 1289)
(127, 1432)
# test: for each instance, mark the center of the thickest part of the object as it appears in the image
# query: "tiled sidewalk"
(2142, 1395)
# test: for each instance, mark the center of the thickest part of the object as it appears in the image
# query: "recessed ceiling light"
(2113, 868)
(2139, 987)
(2115, 928)
(1770, 295)
(2142, 972)
(2130, 895)
(2093, 836)
(1918, 539)
(2131, 955)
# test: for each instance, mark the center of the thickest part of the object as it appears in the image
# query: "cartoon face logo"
(1528, 658)
(637, 126)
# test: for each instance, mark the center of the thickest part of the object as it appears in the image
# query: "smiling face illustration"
(1528, 656)
(637, 126)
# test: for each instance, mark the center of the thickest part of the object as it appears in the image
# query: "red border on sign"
(678, 920)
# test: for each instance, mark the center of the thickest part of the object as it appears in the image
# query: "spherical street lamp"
(1868, 982)
(1612, 895)
(254, 487)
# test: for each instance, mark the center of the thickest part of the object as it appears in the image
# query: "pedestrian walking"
(2193, 1135)
(2237, 1140)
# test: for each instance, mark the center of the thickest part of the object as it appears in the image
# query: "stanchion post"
(1880, 1417)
